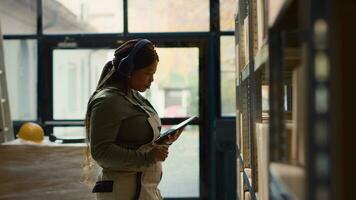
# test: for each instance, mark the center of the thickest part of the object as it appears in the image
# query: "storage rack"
(296, 40)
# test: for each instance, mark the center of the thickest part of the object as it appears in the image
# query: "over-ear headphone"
(129, 59)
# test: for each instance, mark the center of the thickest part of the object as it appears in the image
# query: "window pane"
(69, 132)
(168, 15)
(181, 169)
(227, 14)
(227, 62)
(18, 17)
(82, 16)
(21, 76)
(174, 92)
(75, 76)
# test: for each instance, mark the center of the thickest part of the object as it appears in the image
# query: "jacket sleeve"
(106, 117)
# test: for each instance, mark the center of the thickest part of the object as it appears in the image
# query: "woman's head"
(133, 63)
(141, 79)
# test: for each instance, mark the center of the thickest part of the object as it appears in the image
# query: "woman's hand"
(159, 152)
(172, 138)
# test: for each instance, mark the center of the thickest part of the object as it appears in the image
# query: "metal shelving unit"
(302, 61)
(245, 94)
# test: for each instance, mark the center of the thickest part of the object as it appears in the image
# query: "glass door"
(174, 94)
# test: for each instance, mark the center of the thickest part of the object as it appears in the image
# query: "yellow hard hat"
(31, 131)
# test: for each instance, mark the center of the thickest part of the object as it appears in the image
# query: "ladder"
(6, 129)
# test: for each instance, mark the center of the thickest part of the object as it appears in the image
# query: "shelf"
(239, 155)
(246, 175)
(245, 73)
(292, 60)
(247, 180)
(291, 179)
(282, 12)
(292, 57)
(261, 57)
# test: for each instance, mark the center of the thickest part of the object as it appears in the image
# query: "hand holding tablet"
(173, 130)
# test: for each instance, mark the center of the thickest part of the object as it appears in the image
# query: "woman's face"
(141, 79)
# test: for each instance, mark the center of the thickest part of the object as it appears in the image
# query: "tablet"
(173, 129)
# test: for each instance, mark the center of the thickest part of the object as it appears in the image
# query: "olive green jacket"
(118, 128)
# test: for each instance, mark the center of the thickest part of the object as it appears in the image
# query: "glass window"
(227, 62)
(174, 92)
(69, 132)
(227, 14)
(181, 169)
(82, 16)
(21, 76)
(18, 17)
(75, 76)
(168, 15)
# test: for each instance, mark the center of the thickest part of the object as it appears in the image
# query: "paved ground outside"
(181, 169)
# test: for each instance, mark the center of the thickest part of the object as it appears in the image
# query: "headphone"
(129, 59)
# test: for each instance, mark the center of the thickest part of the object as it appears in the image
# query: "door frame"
(207, 89)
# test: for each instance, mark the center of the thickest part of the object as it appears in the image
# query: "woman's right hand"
(159, 152)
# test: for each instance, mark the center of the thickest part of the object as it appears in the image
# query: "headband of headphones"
(129, 59)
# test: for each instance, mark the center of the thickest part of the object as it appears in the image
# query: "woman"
(122, 126)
